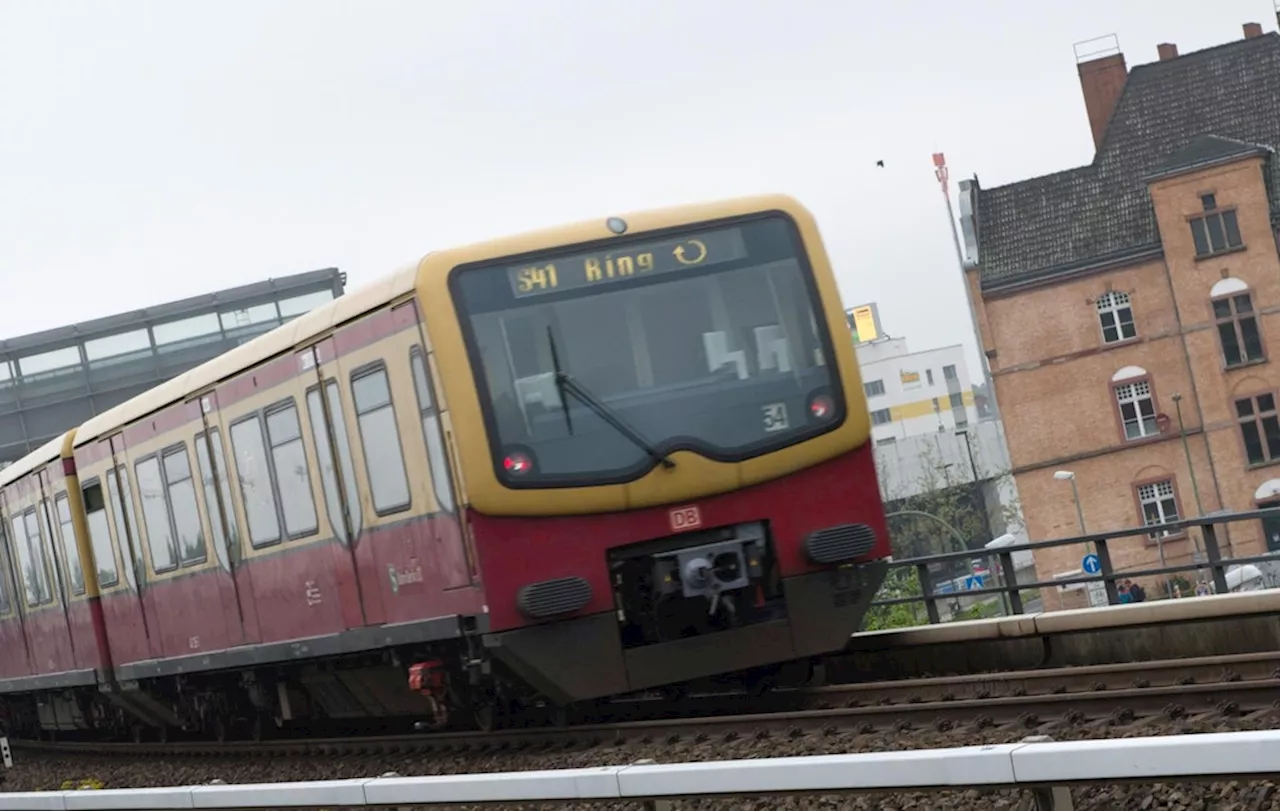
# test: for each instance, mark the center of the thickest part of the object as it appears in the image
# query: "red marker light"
(517, 463)
(821, 406)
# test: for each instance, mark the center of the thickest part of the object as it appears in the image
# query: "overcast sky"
(155, 150)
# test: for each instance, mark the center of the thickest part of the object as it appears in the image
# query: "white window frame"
(1113, 303)
(1156, 494)
(1134, 393)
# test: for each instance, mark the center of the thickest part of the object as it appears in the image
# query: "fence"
(1011, 589)
(1046, 768)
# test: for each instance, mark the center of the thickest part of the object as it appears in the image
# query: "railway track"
(1120, 693)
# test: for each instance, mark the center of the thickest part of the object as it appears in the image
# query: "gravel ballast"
(35, 771)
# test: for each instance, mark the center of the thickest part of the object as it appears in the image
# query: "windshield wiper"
(567, 385)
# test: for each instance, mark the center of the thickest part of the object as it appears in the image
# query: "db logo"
(685, 518)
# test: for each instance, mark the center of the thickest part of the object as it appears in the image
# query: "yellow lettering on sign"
(539, 278)
(598, 269)
(691, 252)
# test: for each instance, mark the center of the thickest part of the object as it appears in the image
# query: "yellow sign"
(909, 377)
(864, 324)
(645, 259)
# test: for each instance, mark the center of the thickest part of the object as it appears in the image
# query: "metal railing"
(1011, 588)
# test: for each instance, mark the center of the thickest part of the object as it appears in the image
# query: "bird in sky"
(880, 163)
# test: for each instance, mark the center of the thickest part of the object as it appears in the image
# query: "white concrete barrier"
(1032, 764)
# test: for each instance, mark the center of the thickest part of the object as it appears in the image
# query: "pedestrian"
(1122, 591)
(1138, 593)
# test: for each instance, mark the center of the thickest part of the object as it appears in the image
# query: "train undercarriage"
(703, 613)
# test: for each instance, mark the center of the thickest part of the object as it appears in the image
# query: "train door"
(48, 638)
(454, 547)
(64, 559)
(134, 616)
(452, 550)
(235, 588)
(16, 660)
(326, 421)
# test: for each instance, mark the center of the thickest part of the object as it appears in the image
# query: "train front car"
(666, 449)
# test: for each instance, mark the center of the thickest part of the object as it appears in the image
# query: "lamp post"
(963, 431)
(1002, 542)
(1069, 476)
(1186, 450)
(1191, 470)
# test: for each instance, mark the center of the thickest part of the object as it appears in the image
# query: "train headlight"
(517, 463)
(821, 407)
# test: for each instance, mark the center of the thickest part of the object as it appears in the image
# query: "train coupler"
(427, 679)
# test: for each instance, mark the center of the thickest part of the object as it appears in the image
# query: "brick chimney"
(1252, 30)
(1102, 81)
(1167, 51)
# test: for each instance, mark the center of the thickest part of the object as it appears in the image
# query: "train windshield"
(594, 366)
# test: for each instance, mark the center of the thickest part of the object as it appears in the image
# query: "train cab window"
(95, 510)
(75, 571)
(180, 488)
(214, 475)
(383, 458)
(32, 565)
(155, 515)
(293, 477)
(255, 482)
(434, 433)
(329, 477)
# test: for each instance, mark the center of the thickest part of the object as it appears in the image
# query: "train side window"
(293, 476)
(120, 492)
(5, 605)
(324, 452)
(50, 548)
(207, 471)
(383, 458)
(155, 514)
(95, 509)
(33, 567)
(180, 489)
(432, 431)
(75, 571)
(255, 482)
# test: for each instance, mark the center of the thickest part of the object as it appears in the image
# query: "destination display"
(627, 262)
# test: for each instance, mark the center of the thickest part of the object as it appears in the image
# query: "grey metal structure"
(54, 380)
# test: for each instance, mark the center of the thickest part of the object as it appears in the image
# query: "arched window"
(1136, 402)
(1238, 332)
(1115, 316)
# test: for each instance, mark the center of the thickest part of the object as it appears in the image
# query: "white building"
(915, 393)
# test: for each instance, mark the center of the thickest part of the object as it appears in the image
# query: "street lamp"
(1005, 540)
(1069, 476)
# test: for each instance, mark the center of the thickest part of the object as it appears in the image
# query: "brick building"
(1131, 302)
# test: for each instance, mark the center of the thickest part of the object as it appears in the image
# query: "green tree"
(965, 515)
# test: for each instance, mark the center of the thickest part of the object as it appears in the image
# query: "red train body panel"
(511, 548)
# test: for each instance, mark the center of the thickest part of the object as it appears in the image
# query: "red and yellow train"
(559, 467)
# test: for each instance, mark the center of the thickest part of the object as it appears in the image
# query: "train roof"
(38, 458)
(252, 353)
